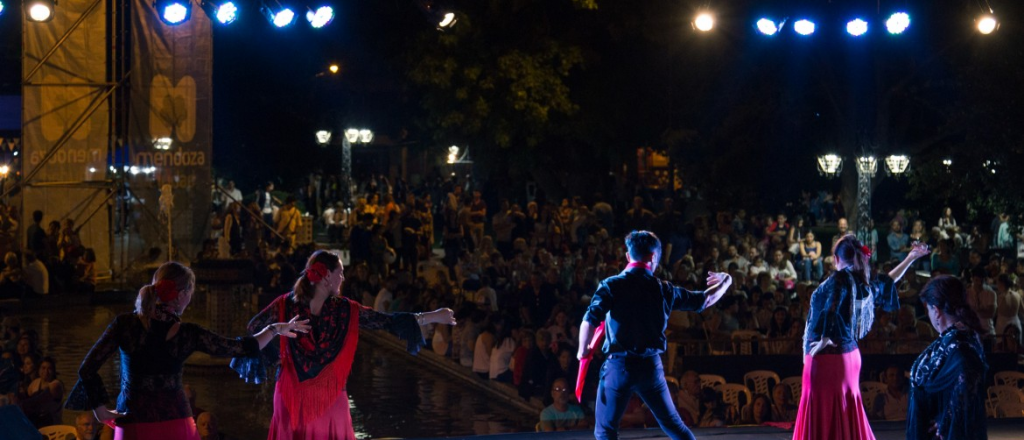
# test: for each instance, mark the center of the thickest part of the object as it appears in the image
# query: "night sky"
(645, 71)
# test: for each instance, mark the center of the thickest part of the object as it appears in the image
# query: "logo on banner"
(173, 108)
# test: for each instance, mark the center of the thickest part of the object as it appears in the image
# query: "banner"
(64, 107)
(170, 128)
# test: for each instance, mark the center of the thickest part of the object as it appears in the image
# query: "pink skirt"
(830, 403)
(177, 429)
(334, 424)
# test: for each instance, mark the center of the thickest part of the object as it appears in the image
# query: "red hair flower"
(166, 290)
(865, 250)
(316, 272)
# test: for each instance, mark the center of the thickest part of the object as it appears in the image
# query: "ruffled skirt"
(831, 407)
(334, 424)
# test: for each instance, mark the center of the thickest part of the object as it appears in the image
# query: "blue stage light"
(767, 27)
(279, 16)
(897, 23)
(322, 17)
(173, 12)
(804, 27)
(1, 7)
(226, 13)
(857, 27)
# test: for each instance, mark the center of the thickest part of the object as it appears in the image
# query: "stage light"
(334, 68)
(278, 15)
(897, 23)
(4, 169)
(39, 10)
(804, 27)
(767, 27)
(365, 136)
(323, 137)
(1, 8)
(352, 135)
(173, 12)
(447, 20)
(857, 27)
(223, 13)
(704, 22)
(321, 17)
(987, 24)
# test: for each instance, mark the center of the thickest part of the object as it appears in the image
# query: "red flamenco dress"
(842, 310)
(310, 401)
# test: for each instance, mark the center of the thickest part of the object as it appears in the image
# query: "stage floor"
(998, 429)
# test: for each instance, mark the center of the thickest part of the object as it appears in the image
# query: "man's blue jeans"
(621, 376)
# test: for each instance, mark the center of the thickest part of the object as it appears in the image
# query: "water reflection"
(390, 396)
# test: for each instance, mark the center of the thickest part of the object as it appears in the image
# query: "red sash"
(310, 399)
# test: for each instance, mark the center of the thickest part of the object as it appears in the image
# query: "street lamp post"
(351, 136)
(896, 165)
(867, 166)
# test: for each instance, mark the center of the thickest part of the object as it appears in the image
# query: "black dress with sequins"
(947, 389)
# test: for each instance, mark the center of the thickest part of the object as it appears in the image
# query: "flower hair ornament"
(166, 290)
(316, 272)
(864, 249)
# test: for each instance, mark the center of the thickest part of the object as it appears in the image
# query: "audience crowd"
(520, 274)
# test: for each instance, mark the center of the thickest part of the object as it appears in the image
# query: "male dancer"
(636, 305)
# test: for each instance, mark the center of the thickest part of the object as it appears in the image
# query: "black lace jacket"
(151, 367)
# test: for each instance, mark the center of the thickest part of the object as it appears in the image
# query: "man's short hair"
(37, 216)
(640, 245)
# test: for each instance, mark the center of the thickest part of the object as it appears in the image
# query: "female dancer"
(310, 401)
(947, 381)
(841, 311)
(154, 344)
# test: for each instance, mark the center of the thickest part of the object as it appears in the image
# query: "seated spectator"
(521, 356)
(206, 424)
(784, 333)
(714, 410)
(538, 363)
(44, 396)
(88, 428)
(783, 409)
(811, 257)
(37, 277)
(944, 260)
(562, 415)
(688, 398)
(892, 404)
(12, 278)
(504, 346)
(85, 272)
(782, 270)
(912, 334)
(758, 411)
(899, 243)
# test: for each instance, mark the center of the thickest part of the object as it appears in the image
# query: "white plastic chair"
(1005, 401)
(796, 383)
(868, 391)
(760, 381)
(731, 395)
(58, 432)
(711, 381)
(743, 341)
(1012, 378)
